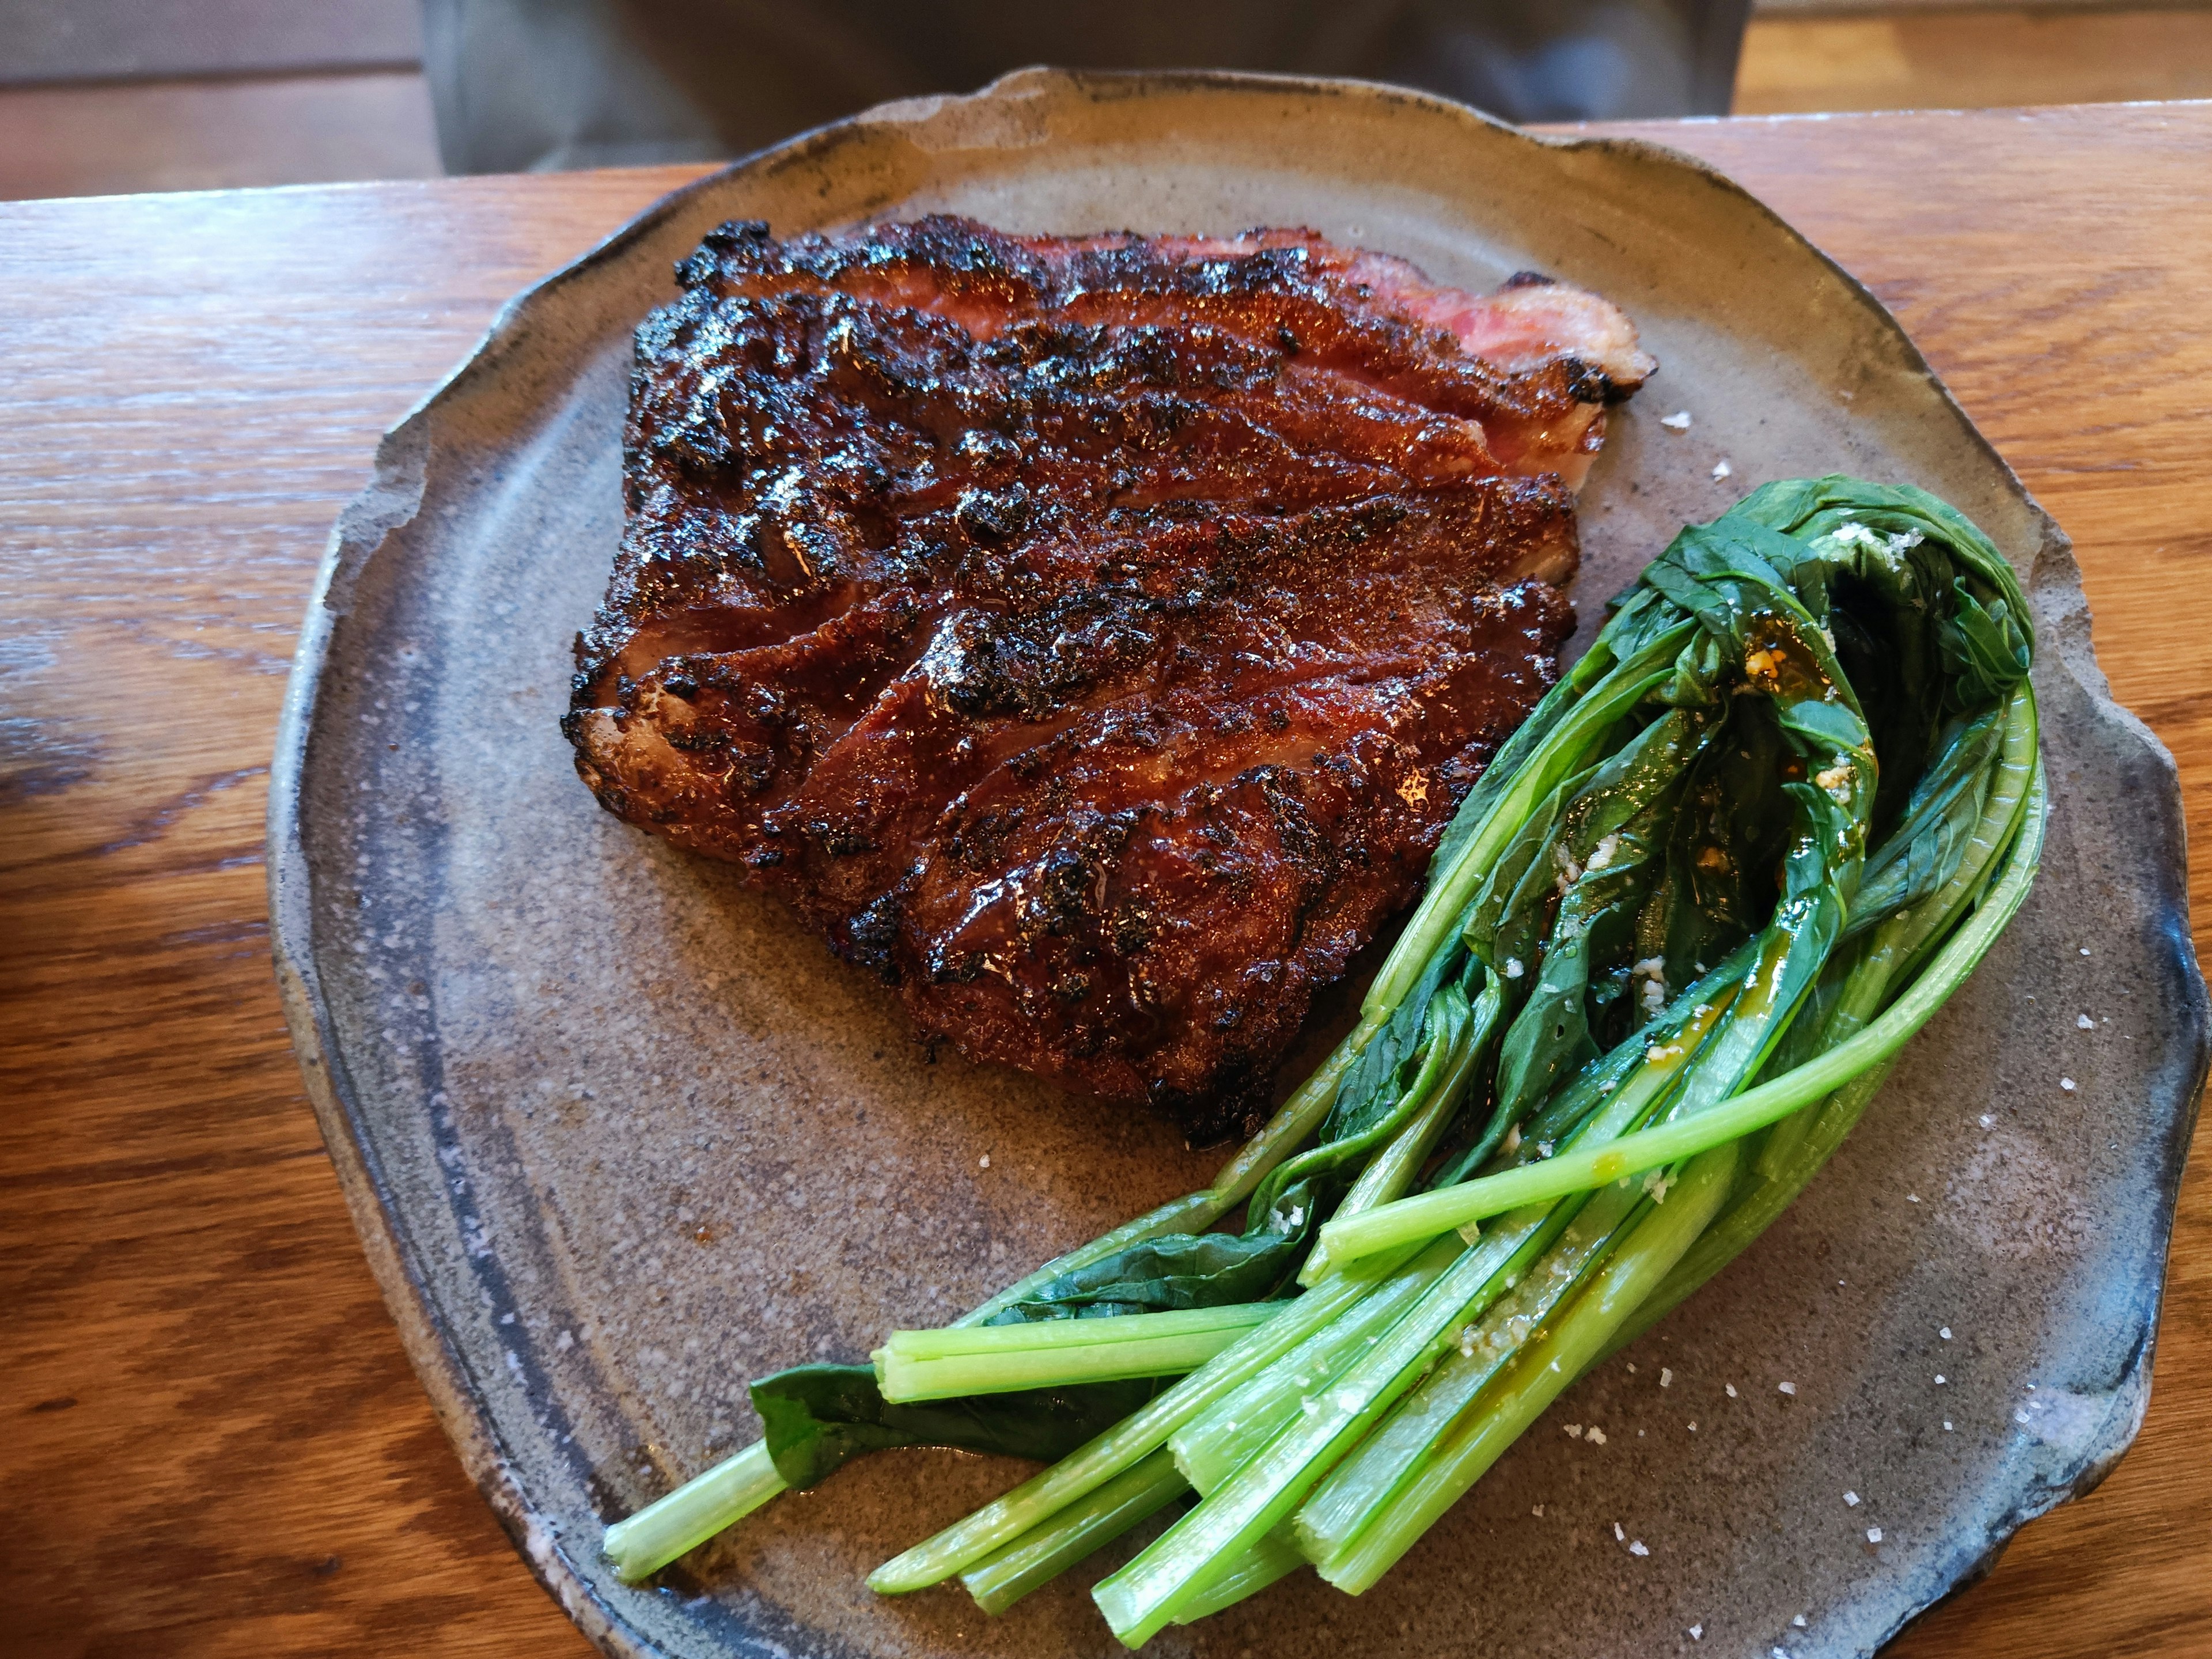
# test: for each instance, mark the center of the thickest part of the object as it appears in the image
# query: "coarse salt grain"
(2067, 1084)
(1912, 1198)
(2085, 1022)
(1730, 1387)
(1666, 1377)
(1680, 420)
(1722, 470)
(1799, 1621)
(1873, 1534)
(1617, 1534)
(1944, 1332)
(1693, 1428)
(984, 1161)
(1697, 1633)
(1852, 1500)
(1939, 1377)
(1987, 1119)
(1638, 1547)
(2085, 949)
(1787, 1388)
(1947, 1426)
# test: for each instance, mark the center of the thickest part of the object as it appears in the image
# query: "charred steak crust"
(1090, 635)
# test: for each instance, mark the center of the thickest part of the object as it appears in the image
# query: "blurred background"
(103, 96)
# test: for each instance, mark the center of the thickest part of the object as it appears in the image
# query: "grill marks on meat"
(1090, 636)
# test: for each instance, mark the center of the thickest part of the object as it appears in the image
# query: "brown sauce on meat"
(1092, 637)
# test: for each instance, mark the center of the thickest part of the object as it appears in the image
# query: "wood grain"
(77, 139)
(213, 1444)
(1980, 58)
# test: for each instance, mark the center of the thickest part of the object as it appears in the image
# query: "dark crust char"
(1091, 636)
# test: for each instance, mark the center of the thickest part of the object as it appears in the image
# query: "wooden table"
(214, 1445)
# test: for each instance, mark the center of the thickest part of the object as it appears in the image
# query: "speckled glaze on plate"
(618, 1134)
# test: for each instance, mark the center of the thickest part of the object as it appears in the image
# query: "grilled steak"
(1090, 635)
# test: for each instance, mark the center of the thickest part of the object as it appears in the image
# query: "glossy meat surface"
(1090, 635)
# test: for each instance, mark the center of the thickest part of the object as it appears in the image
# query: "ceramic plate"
(618, 1135)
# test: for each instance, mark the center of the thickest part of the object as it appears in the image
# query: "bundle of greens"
(1671, 942)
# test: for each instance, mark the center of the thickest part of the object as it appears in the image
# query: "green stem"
(1358, 1488)
(1273, 1558)
(1411, 1220)
(943, 1364)
(1764, 1198)
(1397, 1164)
(1391, 1170)
(998, 1523)
(1215, 1444)
(1563, 750)
(1043, 1552)
(732, 1489)
(1191, 1557)
(692, 1514)
(1503, 1412)
(1786, 1164)
(1294, 1123)
(1193, 1212)
(1083, 1526)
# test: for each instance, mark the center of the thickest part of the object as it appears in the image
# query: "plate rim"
(392, 499)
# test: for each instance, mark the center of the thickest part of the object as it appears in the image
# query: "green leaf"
(1920, 854)
(817, 1416)
(1183, 1270)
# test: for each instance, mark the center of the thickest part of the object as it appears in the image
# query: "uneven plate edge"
(392, 499)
